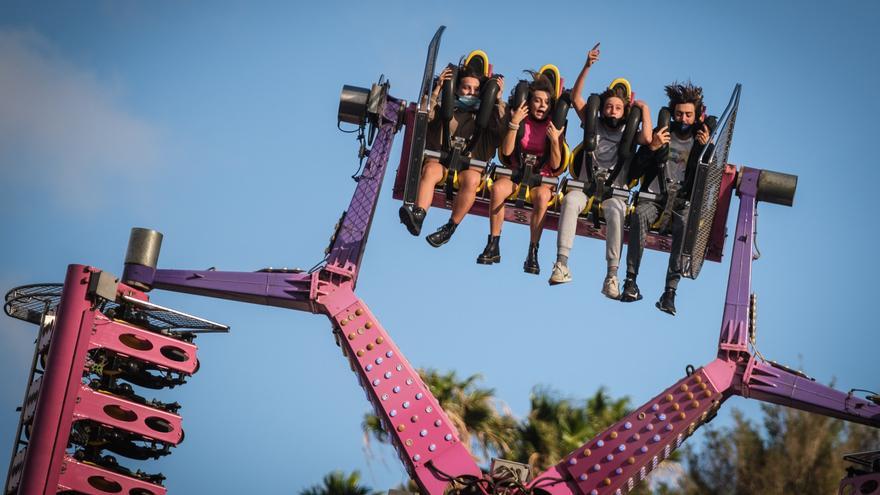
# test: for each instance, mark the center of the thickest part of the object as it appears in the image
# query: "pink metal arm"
(425, 440)
(621, 456)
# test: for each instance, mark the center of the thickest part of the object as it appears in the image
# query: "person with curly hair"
(671, 157)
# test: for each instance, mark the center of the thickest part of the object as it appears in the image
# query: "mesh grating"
(162, 318)
(30, 302)
(707, 186)
(867, 459)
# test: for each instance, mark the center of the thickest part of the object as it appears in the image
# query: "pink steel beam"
(425, 440)
(58, 398)
(54, 413)
(124, 414)
(617, 459)
(86, 478)
(128, 340)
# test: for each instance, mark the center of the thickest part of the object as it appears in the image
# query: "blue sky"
(215, 124)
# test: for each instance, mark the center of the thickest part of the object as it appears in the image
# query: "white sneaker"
(610, 287)
(560, 275)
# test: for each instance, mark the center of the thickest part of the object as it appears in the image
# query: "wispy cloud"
(61, 127)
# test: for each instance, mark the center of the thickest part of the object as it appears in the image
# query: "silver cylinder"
(776, 187)
(353, 105)
(143, 247)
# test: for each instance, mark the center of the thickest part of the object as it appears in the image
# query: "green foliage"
(794, 452)
(338, 483)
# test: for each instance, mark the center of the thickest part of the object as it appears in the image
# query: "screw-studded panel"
(422, 435)
(623, 455)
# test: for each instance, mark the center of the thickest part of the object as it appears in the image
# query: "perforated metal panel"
(704, 196)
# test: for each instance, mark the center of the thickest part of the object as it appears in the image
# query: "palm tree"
(338, 483)
(470, 408)
(556, 426)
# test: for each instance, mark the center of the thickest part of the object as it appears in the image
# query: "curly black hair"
(679, 93)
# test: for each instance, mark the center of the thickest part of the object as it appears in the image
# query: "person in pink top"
(541, 141)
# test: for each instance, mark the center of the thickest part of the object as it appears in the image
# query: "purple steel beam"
(351, 239)
(760, 380)
(769, 383)
(735, 320)
(286, 290)
(618, 458)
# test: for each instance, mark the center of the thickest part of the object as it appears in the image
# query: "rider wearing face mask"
(671, 157)
(614, 108)
(462, 126)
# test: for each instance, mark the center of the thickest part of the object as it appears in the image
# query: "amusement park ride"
(99, 335)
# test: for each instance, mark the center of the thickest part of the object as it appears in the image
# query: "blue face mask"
(468, 103)
(682, 129)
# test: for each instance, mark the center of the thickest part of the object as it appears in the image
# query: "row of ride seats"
(573, 161)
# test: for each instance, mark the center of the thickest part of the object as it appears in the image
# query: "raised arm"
(578, 89)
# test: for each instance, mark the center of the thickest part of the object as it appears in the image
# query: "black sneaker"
(630, 291)
(443, 234)
(412, 218)
(667, 301)
(492, 252)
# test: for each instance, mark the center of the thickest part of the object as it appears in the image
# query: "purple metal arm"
(622, 455)
(768, 383)
(294, 290)
(351, 239)
(733, 342)
(425, 439)
(762, 380)
(286, 290)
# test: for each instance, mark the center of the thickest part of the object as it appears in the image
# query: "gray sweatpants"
(614, 210)
(646, 214)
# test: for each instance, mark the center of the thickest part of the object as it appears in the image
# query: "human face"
(685, 113)
(539, 104)
(613, 107)
(468, 86)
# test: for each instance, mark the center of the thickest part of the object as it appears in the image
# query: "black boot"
(630, 290)
(412, 218)
(667, 301)
(491, 253)
(442, 235)
(531, 263)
